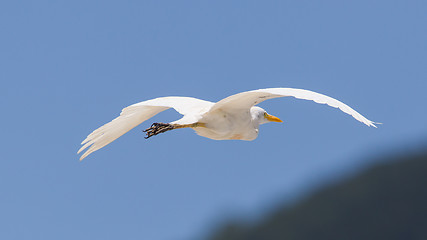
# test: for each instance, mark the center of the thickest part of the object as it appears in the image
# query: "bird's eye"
(265, 114)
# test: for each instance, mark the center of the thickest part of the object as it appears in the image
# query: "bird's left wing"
(137, 113)
(245, 100)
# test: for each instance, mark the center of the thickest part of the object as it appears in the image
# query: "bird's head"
(260, 116)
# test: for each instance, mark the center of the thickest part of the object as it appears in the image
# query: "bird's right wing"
(137, 113)
(245, 100)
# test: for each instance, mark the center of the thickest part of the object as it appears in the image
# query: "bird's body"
(222, 125)
(235, 117)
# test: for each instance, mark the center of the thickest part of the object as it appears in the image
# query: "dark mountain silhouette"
(388, 201)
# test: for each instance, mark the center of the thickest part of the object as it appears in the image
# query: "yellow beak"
(272, 118)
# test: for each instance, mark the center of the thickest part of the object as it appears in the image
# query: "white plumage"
(234, 117)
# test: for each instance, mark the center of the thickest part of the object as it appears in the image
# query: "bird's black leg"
(157, 128)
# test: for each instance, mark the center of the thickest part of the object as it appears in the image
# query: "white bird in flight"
(235, 117)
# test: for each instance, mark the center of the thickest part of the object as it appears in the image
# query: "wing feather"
(136, 114)
(246, 100)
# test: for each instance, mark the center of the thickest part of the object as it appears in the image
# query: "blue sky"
(68, 67)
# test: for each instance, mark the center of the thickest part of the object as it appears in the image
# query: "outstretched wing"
(246, 100)
(137, 113)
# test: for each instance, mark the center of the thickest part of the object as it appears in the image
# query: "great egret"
(234, 117)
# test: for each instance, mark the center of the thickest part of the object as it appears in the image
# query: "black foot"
(157, 128)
